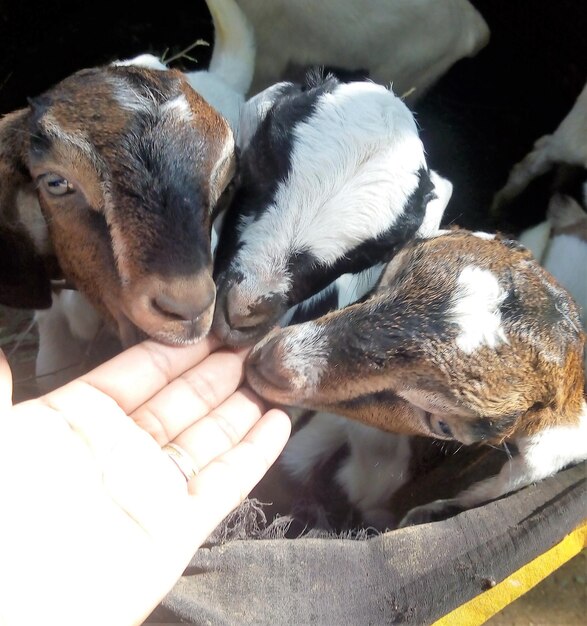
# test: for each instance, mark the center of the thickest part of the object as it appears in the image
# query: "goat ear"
(436, 205)
(254, 111)
(24, 281)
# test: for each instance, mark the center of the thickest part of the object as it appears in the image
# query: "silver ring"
(182, 459)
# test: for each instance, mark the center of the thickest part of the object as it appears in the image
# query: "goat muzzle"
(172, 310)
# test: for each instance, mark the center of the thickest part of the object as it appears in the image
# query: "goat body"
(377, 36)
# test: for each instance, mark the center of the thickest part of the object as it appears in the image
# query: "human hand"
(97, 522)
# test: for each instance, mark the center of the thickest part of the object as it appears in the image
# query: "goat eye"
(444, 428)
(438, 426)
(57, 185)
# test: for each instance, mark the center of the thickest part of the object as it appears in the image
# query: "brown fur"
(393, 350)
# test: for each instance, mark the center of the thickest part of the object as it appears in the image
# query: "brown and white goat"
(464, 338)
(112, 178)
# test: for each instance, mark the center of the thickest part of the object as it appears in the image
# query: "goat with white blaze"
(412, 359)
(332, 177)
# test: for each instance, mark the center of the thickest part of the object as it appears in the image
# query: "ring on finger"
(182, 460)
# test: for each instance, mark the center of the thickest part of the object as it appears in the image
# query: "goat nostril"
(178, 309)
(164, 307)
(264, 366)
(241, 317)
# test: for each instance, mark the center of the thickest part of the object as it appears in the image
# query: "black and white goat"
(332, 177)
(464, 338)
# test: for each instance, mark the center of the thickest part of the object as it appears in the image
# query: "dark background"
(481, 118)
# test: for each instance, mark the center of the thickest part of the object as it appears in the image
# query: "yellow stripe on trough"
(478, 610)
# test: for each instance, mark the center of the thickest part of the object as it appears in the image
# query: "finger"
(191, 396)
(222, 429)
(225, 482)
(135, 375)
(5, 383)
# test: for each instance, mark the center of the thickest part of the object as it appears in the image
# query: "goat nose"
(266, 363)
(241, 315)
(182, 304)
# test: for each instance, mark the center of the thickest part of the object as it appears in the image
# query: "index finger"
(137, 374)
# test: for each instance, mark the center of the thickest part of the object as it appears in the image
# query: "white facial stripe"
(354, 163)
(220, 169)
(178, 107)
(130, 99)
(305, 352)
(119, 249)
(475, 308)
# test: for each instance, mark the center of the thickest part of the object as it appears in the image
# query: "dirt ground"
(560, 600)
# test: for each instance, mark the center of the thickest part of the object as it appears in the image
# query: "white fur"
(475, 309)
(482, 235)
(377, 36)
(435, 208)
(312, 444)
(354, 164)
(65, 332)
(563, 255)
(147, 61)
(566, 145)
(224, 84)
(540, 455)
(377, 466)
(306, 355)
(178, 107)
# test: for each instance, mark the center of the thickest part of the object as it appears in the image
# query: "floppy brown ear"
(24, 280)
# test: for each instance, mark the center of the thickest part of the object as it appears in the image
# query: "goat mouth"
(238, 337)
(264, 379)
(173, 333)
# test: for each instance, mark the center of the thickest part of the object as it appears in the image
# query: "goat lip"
(274, 390)
(265, 378)
(235, 337)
